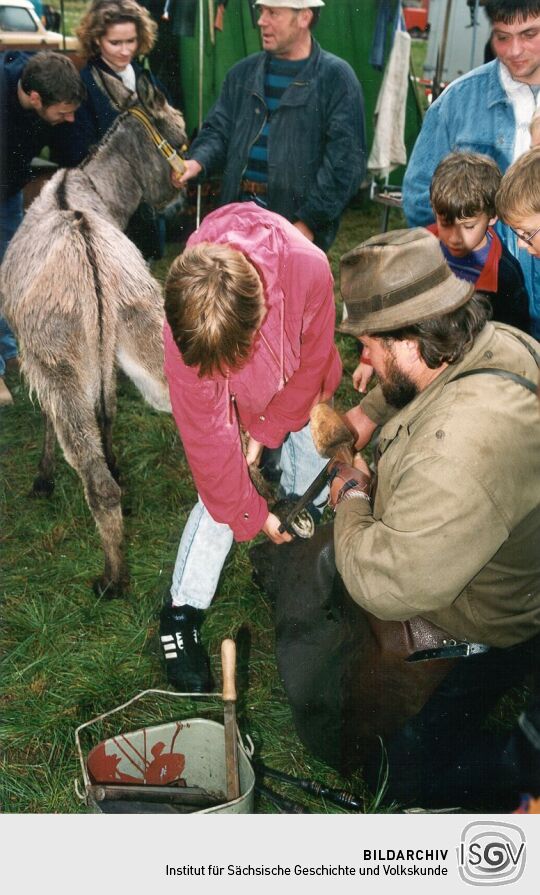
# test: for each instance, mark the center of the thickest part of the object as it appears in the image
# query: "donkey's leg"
(43, 485)
(106, 414)
(79, 436)
(139, 351)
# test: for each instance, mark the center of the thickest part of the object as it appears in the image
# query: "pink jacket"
(294, 364)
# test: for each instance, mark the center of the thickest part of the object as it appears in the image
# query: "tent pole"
(63, 14)
(475, 29)
(439, 69)
(201, 72)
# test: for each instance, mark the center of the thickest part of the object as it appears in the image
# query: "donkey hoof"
(42, 487)
(106, 589)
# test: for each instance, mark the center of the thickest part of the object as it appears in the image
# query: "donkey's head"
(167, 124)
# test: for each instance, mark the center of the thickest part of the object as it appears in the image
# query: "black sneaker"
(186, 660)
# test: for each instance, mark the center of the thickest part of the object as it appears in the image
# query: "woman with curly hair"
(112, 33)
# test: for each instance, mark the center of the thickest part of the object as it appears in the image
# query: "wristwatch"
(354, 492)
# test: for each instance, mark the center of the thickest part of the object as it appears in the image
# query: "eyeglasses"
(526, 237)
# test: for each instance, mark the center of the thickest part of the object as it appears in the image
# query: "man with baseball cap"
(450, 536)
(287, 131)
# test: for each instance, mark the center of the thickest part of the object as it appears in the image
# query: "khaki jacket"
(454, 535)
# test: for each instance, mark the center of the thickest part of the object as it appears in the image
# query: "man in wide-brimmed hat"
(451, 533)
(287, 130)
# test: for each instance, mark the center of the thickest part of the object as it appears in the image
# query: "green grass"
(66, 656)
(418, 56)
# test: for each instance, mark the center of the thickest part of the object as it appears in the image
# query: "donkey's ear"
(151, 98)
(120, 97)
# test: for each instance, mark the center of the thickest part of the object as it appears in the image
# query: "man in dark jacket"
(36, 93)
(287, 130)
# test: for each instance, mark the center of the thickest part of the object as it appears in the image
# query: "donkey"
(82, 301)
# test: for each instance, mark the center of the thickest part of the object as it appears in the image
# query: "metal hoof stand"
(174, 768)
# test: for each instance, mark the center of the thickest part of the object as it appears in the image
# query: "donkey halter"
(175, 161)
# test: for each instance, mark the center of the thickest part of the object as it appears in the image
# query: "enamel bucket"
(184, 753)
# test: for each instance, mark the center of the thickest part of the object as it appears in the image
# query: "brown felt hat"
(397, 279)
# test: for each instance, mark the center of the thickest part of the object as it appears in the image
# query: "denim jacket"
(473, 114)
(317, 144)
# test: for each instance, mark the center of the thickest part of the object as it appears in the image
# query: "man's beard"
(398, 388)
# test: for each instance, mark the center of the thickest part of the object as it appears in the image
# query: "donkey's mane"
(105, 140)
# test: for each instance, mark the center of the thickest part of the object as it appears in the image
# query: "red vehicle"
(415, 13)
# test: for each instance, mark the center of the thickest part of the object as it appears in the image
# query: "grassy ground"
(66, 656)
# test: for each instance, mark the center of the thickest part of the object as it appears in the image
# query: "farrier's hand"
(192, 169)
(360, 464)
(350, 478)
(253, 452)
(271, 530)
(361, 426)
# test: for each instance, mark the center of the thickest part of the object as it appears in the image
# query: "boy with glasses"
(518, 200)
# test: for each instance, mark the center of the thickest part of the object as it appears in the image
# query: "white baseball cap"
(291, 4)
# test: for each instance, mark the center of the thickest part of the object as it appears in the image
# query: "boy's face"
(527, 230)
(464, 235)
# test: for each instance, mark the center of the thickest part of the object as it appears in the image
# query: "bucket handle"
(125, 705)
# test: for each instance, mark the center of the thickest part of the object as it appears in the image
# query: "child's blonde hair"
(519, 193)
(214, 305)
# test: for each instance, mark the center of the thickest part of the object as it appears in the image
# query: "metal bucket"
(183, 753)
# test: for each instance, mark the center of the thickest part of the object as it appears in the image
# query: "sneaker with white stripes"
(186, 660)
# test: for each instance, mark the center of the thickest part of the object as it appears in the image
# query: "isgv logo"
(491, 854)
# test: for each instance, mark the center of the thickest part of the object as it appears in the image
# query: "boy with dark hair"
(462, 196)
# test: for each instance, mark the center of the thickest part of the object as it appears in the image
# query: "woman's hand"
(253, 452)
(271, 530)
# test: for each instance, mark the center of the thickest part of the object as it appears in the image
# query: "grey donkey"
(82, 301)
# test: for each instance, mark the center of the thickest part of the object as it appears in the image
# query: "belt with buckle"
(255, 187)
(452, 649)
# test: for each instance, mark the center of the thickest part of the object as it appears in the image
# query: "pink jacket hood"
(294, 364)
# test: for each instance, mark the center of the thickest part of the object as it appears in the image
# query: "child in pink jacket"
(249, 345)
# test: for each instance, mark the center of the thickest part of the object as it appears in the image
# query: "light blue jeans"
(205, 543)
(11, 215)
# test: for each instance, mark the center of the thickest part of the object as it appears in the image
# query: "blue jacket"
(316, 146)
(473, 114)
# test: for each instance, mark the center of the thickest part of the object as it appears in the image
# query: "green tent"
(346, 28)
